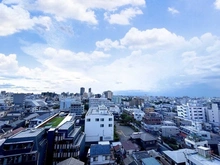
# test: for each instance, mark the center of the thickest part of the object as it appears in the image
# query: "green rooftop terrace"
(53, 122)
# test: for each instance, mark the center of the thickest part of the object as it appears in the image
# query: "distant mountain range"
(198, 90)
(131, 93)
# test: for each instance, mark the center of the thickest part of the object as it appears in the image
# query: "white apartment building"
(94, 102)
(192, 111)
(213, 113)
(99, 124)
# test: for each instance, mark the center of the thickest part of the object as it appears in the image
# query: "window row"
(102, 125)
(98, 119)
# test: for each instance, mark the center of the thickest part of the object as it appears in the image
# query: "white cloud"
(172, 10)
(162, 60)
(217, 4)
(149, 39)
(15, 19)
(124, 17)
(67, 9)
(107, 44)
(81, 10)
(61, 58)
(8, 63)
(152, 60)
(113, 4)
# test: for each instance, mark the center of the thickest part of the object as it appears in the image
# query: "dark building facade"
(90, 90)
(64, 142)
(19, 98)
(152, 118)
(24, 148)
(77, 108)
(82, 90)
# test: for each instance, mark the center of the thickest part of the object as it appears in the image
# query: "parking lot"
(123, 131)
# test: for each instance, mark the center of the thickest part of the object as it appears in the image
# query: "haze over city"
(159, 47)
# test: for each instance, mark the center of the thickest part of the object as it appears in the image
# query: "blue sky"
(157, 46)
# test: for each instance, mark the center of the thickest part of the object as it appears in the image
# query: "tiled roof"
(128, 145)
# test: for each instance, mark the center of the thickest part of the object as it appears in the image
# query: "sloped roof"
(147, 137)
(71, 161)
(178, 156)
(99, 149)
(128, 145)
(31, 116)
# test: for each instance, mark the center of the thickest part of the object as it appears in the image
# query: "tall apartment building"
(65, 141)
(192, 111)
(82, 90)
(24, 148)
(90, 90)
(99, 124)
(108, 94)
(213, 113)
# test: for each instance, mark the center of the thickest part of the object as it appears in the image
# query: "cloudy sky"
(162, 47)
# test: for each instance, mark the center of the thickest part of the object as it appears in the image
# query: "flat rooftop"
(27, 133)
(203, 160)
(97, 111)
(66, 125)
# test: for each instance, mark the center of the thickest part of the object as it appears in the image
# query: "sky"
(167, 47)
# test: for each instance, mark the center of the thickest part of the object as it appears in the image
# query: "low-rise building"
(194, 141)
(101, 154)
(152, 118)
(177, 157)
(168, 131)
(189, 130)
(203, 156)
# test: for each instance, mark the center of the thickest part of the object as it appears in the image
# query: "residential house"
(101, 154)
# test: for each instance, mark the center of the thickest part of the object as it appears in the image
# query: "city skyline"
(158, 47)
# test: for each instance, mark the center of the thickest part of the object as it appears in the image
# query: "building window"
(95, 158)
(88, 120)
(110, 119)
(97, 119)
(110, 125)
(102, 119)
(101, 125)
